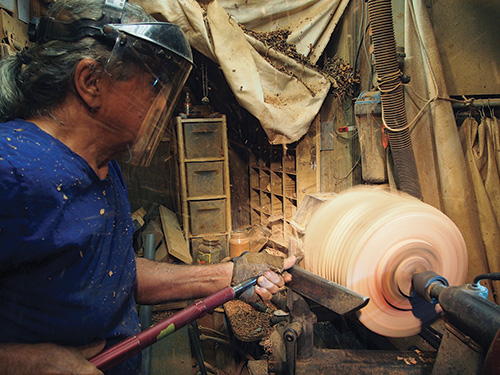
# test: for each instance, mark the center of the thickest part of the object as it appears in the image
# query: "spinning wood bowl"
(372, 241)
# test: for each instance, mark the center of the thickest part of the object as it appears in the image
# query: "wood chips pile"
(340, 74)
(246, 322)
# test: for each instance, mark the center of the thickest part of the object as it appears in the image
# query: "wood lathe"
(387, 272)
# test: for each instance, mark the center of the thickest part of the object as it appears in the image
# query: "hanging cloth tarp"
(282, 94)
(480, 143)
(310, 22)
(442, 167)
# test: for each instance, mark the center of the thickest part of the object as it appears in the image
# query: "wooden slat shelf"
(206, 197)
(289, 171)
(202, 142)
(199, 160)
(274, 184)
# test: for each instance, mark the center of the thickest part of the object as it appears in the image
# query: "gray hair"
(35, 81)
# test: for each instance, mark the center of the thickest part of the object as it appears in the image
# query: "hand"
(269, 266)
(47, 358)
(271, 282)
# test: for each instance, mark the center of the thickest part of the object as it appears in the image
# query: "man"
(100, 81)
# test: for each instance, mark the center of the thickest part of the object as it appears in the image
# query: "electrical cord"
(486, 276)
(361, 44)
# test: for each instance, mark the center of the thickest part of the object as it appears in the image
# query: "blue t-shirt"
(67, 266)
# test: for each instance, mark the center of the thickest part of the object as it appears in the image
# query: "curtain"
(310, 22)
(447, 181)
(285, 96)
(481, 145)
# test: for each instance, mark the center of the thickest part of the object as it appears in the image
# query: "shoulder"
(9, 149)
(20, 139)
(25, 157)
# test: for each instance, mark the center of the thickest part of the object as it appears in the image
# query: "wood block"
(176, 243)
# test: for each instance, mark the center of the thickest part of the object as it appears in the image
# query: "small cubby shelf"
(274, 187)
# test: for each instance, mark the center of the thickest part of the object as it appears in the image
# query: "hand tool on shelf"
(135, 344)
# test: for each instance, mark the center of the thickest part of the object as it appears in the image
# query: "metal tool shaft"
(135, 344)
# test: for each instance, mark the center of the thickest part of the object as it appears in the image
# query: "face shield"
(162, 53)
(158, 50)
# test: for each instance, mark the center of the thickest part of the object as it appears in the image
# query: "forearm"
(10, 361)
(159, 282)
(47, 358)
(21, 359)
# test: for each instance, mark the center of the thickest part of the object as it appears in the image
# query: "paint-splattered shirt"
(67, 266)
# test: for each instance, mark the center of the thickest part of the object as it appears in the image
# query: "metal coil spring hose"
(392, 96)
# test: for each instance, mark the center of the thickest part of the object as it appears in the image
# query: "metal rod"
(244, 285)
(134, 344)
(482, 103)
(194, 335)
(182, 171)
(146, 311)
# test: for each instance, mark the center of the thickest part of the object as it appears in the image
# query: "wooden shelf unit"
(204, 179)
(280, 177)
(273, 190)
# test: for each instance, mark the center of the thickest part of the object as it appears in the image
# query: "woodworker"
(101, 80)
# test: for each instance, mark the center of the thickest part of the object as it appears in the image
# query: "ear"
(87, 83)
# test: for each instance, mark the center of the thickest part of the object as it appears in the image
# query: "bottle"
(238, 243)
(209, 251)
(187, 104)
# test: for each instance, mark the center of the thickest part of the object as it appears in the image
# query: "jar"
(209, 251)
(238, 243)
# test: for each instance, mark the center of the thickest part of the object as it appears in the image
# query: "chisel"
(135, 344)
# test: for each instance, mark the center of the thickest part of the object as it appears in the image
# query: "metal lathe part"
(244, 285)
(333, 296)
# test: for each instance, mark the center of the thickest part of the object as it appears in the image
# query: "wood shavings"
(342, 77)
(246, 322)
(408, 360)
(267, 345)
(277, 40)
(340, 74)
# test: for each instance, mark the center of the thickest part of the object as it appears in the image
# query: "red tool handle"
(133, 345)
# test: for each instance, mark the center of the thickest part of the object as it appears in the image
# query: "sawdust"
(340, 74)
(342, 77)
(158, 316)
(267, 345)
(277, 40)
(246, 322)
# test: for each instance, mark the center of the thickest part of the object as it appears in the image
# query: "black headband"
(44, 29)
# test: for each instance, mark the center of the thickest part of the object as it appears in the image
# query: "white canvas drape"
(284, 103)
(481, 145)
(449, 179)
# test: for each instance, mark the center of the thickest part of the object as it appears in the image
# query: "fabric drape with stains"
(481, 145)
(449, 179)
(284, 95)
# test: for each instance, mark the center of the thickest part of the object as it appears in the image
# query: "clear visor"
(166, 75)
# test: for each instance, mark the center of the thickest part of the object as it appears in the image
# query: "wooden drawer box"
(203, 140)
(205, 178)
(207, 216)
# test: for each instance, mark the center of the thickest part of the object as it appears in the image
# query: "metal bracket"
(114, 10)
(327, 135)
